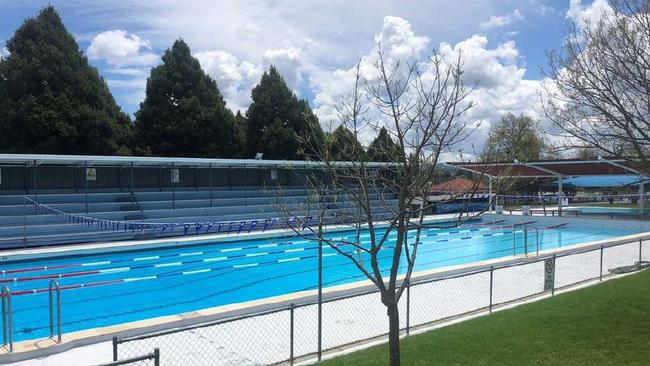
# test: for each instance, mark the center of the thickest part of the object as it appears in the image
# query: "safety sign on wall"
(91, 174)
(176, 176)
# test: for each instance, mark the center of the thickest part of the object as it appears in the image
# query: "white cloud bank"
(502, 86)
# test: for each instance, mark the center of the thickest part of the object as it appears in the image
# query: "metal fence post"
(640, 251)
(553, 288)
(114, 348)
(156, 357)
(291, 332)
(320, 289)
(491, 287)
(601, 263)
(408, 308)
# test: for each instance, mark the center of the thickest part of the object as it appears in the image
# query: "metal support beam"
(490, 197)
(560, 196)
(641, 197)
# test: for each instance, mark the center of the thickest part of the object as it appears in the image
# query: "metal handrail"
(54, 286)
(7, 319)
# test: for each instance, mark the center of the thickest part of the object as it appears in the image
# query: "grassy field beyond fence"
(606, 324)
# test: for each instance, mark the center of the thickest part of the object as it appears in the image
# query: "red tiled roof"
(459, 185)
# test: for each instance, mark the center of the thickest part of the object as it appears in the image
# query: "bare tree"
(600, 90)
(422, 107)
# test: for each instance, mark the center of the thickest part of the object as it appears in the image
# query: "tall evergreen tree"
(183, 113)
(276, 107)
(383, 148)
(51, 99)
(343, 145)
(241, 127)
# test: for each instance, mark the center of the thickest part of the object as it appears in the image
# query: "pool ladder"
(7, 320)
(52, 287)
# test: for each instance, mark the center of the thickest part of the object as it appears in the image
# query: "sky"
(316, 44)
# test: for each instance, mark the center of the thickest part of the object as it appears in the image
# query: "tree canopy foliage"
(514, 137)
(343, 145)
(52, 100)
(183, 113)
(383, 148)
(599, 95)
(279, 124)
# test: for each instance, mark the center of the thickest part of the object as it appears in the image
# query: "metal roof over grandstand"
(552, 168)
(95, 160)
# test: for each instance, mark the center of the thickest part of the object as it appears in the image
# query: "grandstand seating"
(23, 225)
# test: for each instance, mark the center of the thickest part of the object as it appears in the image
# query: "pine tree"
(383, 148)
(51, 99)
(344, 146)
(275, 107)
(183, 113)
(241, 126)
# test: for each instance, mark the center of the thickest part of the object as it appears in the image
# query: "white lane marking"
(288, 260)
(188, 254)
(256, 254)
(267, 245)
(95, 263)
(215, 259)
(244, 265)
(168, 264)
(140, 278)
(146, 258)
(294, 250)
(196, 271)
(230, 249)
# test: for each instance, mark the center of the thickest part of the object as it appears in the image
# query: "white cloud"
(118, 48)
(502, 20)
(289, 63)
(581, 14)
(129, 58)
(4, 52)
(234, 78)
(502, 85)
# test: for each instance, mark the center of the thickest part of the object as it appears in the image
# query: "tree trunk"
(393, 333)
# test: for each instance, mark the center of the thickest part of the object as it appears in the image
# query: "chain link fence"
(292, 333)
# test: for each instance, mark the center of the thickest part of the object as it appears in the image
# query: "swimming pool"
(114, 288)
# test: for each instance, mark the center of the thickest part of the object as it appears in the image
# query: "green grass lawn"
(606, 324)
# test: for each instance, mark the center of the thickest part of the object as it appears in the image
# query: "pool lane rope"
(219, 259)
(229, 227)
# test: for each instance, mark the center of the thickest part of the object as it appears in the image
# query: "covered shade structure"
(561, 170)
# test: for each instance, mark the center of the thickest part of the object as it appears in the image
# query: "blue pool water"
(152, 283)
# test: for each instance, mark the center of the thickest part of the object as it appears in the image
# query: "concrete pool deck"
(32, 349)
